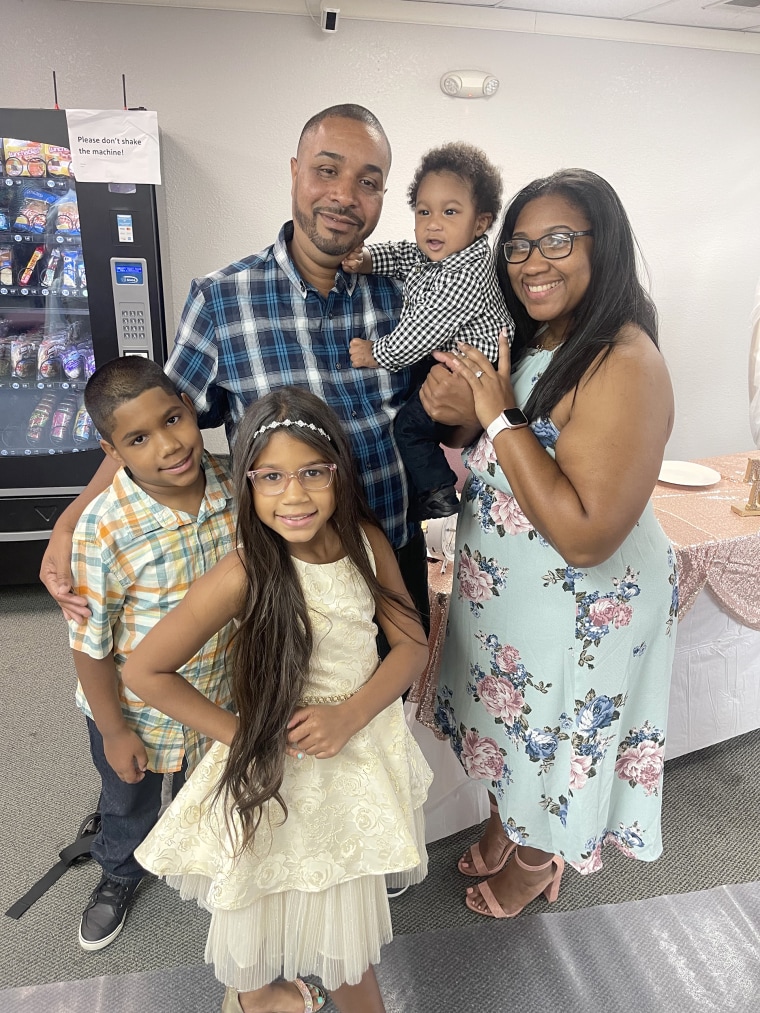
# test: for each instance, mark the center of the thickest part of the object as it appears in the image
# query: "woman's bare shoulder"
(632, 354)
(634, 372)
(631, 360)
(633, 340)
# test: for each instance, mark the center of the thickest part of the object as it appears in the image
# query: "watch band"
(510, 418)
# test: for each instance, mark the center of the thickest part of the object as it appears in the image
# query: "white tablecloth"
(715, 689)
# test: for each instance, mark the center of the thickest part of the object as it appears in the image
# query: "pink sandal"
(314, 998)
(476, 859)
(495, 910)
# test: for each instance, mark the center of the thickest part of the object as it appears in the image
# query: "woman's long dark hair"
(614, 297)
(272, 647)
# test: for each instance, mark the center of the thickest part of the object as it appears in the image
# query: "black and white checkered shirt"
(454, 299)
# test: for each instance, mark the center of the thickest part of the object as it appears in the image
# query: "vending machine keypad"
(130, 294)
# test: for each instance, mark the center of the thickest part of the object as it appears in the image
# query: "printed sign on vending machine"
(114, 145)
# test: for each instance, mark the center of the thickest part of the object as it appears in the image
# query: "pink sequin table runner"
(715, 548)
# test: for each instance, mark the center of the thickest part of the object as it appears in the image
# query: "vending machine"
(80, 283)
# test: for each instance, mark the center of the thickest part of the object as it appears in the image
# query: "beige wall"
(673, 129)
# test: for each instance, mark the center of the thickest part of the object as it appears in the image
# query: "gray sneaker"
(106, 912)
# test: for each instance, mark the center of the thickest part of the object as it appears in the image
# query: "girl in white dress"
(313, 793)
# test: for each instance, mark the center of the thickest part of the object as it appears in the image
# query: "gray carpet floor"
(710, 817)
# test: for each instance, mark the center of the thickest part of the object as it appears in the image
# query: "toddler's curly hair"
(471, 165)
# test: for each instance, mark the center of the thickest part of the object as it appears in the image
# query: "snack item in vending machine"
(24, 351)
(23, 158)
(67, 215)
(48, 275)
(69, 272)
(5, 205)
(24, 276)
(88, 354)
(40, 418)
(6, 265)
(63, 416)
(84, 429)
(81, 273)
(5, 353)
(58, 160)
(73, 360)
(33, 212)
(50, 356)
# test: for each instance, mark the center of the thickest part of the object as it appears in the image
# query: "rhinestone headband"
(289, 422)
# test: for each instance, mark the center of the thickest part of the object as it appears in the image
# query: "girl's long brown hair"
(271, 650)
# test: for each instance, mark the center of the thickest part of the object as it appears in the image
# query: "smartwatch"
(510, 418)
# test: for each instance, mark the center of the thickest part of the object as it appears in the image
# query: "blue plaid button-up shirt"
(257, 325)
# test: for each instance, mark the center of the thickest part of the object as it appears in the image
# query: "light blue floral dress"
(554, 681)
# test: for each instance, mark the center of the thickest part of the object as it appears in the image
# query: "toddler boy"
(166, 518)
(450, 294)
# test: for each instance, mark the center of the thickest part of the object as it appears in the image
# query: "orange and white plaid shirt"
(134, 559)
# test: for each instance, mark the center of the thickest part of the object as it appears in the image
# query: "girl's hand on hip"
(320, 730)
(491, 386)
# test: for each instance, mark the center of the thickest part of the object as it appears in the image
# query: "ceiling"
(670, 22)
(729, 15)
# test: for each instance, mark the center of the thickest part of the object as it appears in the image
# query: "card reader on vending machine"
(129, 278)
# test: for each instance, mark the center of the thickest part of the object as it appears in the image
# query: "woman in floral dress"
(555, 675)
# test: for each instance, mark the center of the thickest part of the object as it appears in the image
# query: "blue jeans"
(127, 813)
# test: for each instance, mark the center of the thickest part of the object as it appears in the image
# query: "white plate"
(687, 473)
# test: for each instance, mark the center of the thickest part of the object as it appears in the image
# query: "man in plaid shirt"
(287, 315)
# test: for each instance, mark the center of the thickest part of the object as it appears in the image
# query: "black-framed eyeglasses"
(553, 246)
(312, 478)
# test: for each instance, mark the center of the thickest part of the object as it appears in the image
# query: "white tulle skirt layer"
(335, 934)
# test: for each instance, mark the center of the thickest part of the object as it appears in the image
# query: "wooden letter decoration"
(752, 475)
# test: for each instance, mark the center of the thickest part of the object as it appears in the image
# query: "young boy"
(450, 294)
(166, 518)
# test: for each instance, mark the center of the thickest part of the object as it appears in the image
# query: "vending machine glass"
(80, 283)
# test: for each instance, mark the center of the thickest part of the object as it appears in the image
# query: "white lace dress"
(309, 896)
